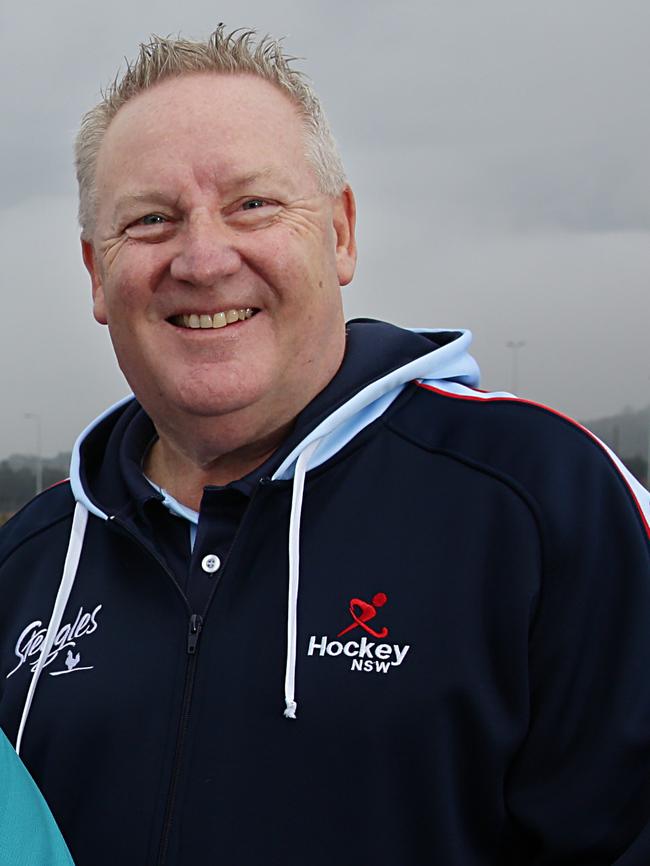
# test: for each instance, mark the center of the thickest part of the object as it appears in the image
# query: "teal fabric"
(28, 833)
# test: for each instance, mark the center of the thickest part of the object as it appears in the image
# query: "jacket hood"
(381, 359)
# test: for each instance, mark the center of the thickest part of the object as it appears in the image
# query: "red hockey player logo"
(361, 612)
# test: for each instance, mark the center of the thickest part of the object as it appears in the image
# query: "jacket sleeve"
(28, 833)
(579, 788)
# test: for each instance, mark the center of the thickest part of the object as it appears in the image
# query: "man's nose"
(205, 253)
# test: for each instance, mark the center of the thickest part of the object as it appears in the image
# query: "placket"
(221, 512)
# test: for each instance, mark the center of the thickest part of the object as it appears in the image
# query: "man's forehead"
(176, 135)
(226, 116)
(228, 97)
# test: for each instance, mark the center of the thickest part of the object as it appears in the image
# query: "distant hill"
(626, 434)
(18, 479)
(59, 463)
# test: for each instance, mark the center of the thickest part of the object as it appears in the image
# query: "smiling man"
(216, 262)
(309, 596)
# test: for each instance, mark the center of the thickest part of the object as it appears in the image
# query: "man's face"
(207, 206)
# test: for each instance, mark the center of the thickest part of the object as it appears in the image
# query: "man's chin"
(193, 405)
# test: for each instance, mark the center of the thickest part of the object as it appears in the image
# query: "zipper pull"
(196, 624)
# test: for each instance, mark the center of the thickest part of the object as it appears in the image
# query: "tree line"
(18, 484)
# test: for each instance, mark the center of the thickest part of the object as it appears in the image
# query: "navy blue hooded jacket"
(429, 643)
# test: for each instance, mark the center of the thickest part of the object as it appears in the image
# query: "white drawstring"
(65, 588)
(302, 465)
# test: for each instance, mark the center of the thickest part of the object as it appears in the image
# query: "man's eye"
(152, 219)
(253, 203)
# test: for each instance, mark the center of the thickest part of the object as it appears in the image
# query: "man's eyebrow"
(153, 197)
(250, 178)
(133, 198)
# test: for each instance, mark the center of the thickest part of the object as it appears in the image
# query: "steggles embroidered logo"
(28, 645)
(365, 655)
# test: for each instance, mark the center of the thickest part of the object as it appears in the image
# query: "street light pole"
(515, 345)
(39, 450)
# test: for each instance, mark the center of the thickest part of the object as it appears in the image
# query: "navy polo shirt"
(195, 555)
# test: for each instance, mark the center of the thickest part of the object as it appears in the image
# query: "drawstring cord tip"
(290, 712)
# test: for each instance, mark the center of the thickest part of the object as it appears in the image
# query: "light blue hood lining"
(76, 485)
(448, 363)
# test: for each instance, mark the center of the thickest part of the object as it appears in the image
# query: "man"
(310, 598)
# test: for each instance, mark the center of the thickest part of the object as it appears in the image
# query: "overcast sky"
(499, 151)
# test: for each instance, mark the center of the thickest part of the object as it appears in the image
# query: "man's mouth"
(212, 320)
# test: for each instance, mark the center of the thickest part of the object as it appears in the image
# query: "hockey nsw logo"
(64, 656)
(368, 654)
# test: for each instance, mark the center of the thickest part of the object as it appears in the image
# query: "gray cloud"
(499, 152)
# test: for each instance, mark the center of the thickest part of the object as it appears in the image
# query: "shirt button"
(210, 563)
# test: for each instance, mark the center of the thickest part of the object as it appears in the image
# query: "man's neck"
(184, 474)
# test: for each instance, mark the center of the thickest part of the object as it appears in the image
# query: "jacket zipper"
(195, 627)
(193, 633)
(196, 624)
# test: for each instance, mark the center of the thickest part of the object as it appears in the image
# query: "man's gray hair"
(225, 53)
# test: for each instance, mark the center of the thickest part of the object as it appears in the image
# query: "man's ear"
(90, 261)
(345, 214)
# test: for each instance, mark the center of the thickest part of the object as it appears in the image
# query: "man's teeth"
(213, 320)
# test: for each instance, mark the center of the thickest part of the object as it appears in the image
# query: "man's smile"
(212, 320)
